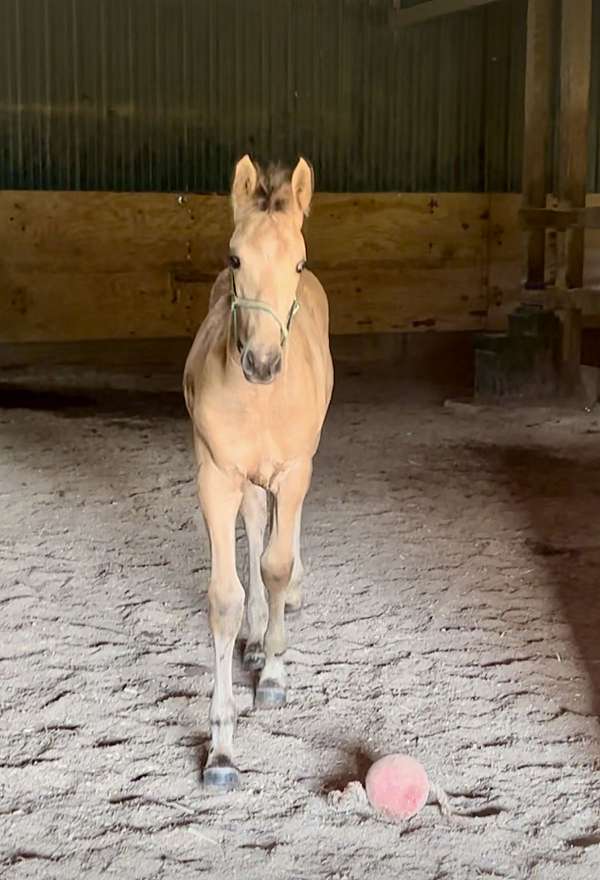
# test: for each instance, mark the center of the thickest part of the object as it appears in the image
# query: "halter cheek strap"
(238, 302)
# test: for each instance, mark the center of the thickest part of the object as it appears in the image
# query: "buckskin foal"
(257, 384)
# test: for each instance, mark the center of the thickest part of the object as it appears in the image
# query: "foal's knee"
(226, 607)
(276, 573)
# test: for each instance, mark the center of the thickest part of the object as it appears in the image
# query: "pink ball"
(397, 785)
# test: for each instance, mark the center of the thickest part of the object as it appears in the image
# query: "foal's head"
(267, 256)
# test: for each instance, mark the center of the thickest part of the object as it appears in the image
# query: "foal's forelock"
(273, 192)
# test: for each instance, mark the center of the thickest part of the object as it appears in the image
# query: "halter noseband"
(239, 302)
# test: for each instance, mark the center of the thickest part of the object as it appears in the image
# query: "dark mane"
(273, 192)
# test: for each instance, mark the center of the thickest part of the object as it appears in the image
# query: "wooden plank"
(505, 255)
(112, 232)
(102, 265)
(119, 232)
(538, 75)
(433, 9)
(363, 299)
(99, 305)
(575, 70)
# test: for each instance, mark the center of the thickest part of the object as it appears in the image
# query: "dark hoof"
(254, 657)
(269, 695)
(221, 775)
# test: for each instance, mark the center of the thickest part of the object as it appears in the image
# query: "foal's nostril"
(249, 361)
(276, 365)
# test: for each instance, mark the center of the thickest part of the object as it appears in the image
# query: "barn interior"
(452, 608)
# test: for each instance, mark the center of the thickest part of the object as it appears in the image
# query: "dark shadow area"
(415, 368)
(539, 481)
(142, 378)
(15, 397)
(353, 767)
(199, 744)
(85, 403)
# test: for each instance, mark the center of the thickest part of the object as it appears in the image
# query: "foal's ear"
(245, 181)
(302, 186)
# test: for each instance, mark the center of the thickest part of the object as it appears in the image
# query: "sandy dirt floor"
(452, 612)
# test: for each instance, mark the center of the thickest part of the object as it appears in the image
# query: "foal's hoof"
(221, 775)
(254, 657)
(269, 695)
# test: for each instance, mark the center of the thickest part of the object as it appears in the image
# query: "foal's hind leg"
(254, 513)
(220, 496)
(277, 567)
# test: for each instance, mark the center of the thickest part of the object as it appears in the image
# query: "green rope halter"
(238, 302)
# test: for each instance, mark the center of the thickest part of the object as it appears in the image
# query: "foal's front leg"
(277, 568)
(254, 512)
(220, 497)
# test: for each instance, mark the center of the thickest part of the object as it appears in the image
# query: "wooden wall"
(76, 265)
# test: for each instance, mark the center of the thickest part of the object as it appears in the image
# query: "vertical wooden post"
(575, 66)
(571, 349)
(537, 127)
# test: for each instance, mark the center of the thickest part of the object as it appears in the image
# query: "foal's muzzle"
(261, 368)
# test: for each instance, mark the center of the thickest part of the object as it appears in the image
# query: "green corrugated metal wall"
(166, 94)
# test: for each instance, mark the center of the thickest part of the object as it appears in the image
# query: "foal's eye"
(300, 266)
(234, 261)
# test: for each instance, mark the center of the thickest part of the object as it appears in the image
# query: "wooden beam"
(548, 218)
(433, 9)
(537, 126)
(575, 66)
(582, 299)
(560, 218)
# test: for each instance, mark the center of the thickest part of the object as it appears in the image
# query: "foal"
(257, 384)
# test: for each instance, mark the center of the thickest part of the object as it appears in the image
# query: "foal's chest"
(259, 438)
